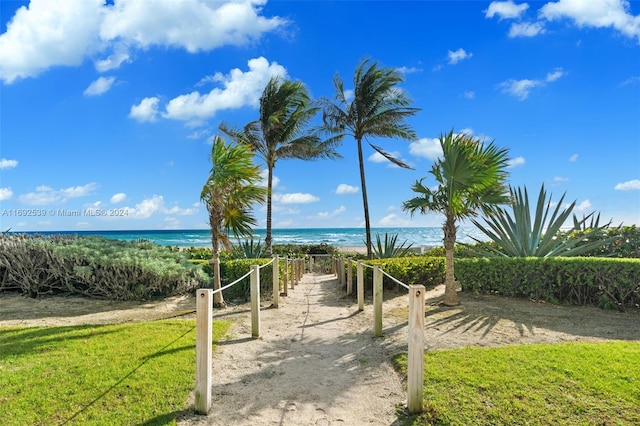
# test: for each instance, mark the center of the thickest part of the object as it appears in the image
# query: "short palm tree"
(281, 132)
(229, 194)
(470, 176)
(378, 109)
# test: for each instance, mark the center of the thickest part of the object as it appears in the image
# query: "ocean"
(425, 237)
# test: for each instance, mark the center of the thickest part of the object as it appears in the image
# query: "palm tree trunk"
(450, 292)
(365, 202)
(268, 239)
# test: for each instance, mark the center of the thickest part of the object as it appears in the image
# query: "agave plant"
(251, 249)
(517, 235)
(390, 248)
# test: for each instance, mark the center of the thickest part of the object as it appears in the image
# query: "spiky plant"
(520, 235)
(390, 248)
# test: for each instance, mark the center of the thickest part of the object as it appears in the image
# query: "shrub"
(428, 271)
(607, 283)
(94, 267)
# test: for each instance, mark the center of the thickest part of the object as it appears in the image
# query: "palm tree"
(281, 132)
(378, 109)
(470, 176)
(229, 194)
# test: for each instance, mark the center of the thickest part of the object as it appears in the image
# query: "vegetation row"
(94, 267)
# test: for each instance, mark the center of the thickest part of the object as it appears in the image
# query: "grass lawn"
(136, 373)
(559, 384)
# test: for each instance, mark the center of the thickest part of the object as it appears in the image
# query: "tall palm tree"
(378, 109)
(470, 176)
(229, 194)
(282, 131)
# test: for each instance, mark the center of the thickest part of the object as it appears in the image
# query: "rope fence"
(293, 271)
(415, 342)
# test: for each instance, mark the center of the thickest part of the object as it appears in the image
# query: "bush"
(428, 271)
(94, 267)
(607, 283)
(627, 245)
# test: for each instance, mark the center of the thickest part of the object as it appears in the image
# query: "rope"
(394, 279)
(233, 283)
(266, 264)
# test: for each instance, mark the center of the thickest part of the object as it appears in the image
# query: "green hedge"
(231, 270)
(95, 267)
(428, 271)
(602, 282)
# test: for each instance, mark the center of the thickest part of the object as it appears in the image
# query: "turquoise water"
(332, 236)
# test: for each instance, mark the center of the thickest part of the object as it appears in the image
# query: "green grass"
(559, 384)
(137, 373)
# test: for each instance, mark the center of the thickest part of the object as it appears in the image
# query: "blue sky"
(110, 107)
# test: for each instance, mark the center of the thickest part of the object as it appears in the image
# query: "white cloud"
(5, 194)
(180, 211)
(573, 158)
(295, 198)
(631, 80)
(113, 61)
(239, 89)
(630, 185)
(553, 76)
(519, 88)
(146, 207)
(469, 94)
(334, 213)
(426, 147)
(118, 198)
(393, 220)
(194, 25)
(522, 88)
(7, 164)
(408, 70)
(146, 110)
(583, 206)
(458, 55)
(100, 86)
(50, 33)
(595, 13)
(515, 162)
(526, 29)
(505, 9)
(47, 33)
(44, 195)
(343, 189)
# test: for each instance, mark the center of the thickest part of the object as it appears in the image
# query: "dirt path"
(317, 362)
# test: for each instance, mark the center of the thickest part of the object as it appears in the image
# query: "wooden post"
(415, 361)
(349, 277)
(204, 350)
(285, 277)
(360, 285)
(377, 301)
(255, 301)
(291, 276)
(340, 270)
(276, 282)
(294, 272)
(333, 265)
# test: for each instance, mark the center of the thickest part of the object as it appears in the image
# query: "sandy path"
(311, 366)
(317, 362)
